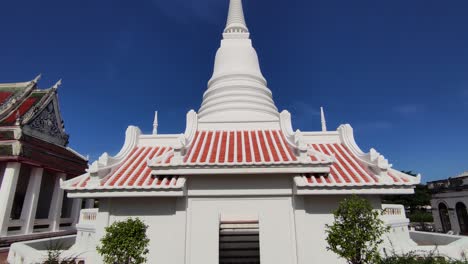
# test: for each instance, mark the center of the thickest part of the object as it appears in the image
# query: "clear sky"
(397, 71)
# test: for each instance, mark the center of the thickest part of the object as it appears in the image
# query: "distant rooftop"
(458, 182)
(464, 174)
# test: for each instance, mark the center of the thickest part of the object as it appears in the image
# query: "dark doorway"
(462, 216)
(444, 218)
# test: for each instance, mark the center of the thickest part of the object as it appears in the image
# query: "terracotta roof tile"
(239, 147)
(4, 96)
(347, 169)
(133, 172)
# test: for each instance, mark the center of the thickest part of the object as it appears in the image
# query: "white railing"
(88, 216)
(394, 215)
(394, 210)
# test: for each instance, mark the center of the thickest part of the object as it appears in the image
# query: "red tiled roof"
(133, 172)
(25, 99)
(239, 147)
(4, 96)
(248, 147)
(347, 169)
(21, 110)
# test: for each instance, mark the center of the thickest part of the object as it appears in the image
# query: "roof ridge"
(40, 105)
(16, 100)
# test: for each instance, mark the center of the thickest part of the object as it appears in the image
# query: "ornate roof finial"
(57, 84)
(155, 123)
(38, 77)
(235, 21)
(322, 118)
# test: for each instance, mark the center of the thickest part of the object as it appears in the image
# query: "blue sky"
(397, 71)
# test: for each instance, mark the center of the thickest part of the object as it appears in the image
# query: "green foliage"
(356, 232)
(413, 202)
(413, 258)
(54, 254)
(421, 197)
(420, 216)
(125, 242)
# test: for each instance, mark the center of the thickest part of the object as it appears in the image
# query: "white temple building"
(239, 172)
(448, 201)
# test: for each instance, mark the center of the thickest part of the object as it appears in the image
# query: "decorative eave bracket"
(106, 163)
(296, 140)
(373, 159)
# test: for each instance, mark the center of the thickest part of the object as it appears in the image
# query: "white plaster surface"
(450, 199)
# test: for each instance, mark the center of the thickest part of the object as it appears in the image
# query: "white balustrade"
(394, 215)
(88, 216)
(396, 210)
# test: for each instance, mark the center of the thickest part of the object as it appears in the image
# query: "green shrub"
(413, 258)
(54, 254)
(356, 232)
(420, 216)
(125, 242)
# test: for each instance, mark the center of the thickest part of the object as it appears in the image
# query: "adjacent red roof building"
(34, 158)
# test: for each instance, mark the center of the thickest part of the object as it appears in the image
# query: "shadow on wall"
(233, 182)
(326, 204)
(145, 206)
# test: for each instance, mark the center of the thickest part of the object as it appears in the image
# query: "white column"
(89, 203)
(300, 223)
(7, 194)
(55, 211)
(76, 208)
(102, 221)
(28, 212)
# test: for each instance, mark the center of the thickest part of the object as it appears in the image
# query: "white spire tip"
(57, 84)
(38, 77)
(236, 21)
(155, 123)
(322, 119)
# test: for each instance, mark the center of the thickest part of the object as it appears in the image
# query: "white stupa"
(239, 185)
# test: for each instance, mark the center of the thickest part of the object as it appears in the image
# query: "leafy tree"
(125, 242)
(413, 202)
(356, 232)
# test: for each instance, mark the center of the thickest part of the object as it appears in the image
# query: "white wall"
(275, 216)
(192, 236)
(450, 199)
(312, 214)
(240, 185)
(164, 216)
(267, 197)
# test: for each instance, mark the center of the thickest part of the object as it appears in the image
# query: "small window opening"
(239, 242)
(317, 175)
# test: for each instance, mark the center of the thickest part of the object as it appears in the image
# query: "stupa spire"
(322, 119)
(236, 21)
(237, 91)
(155, 123)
